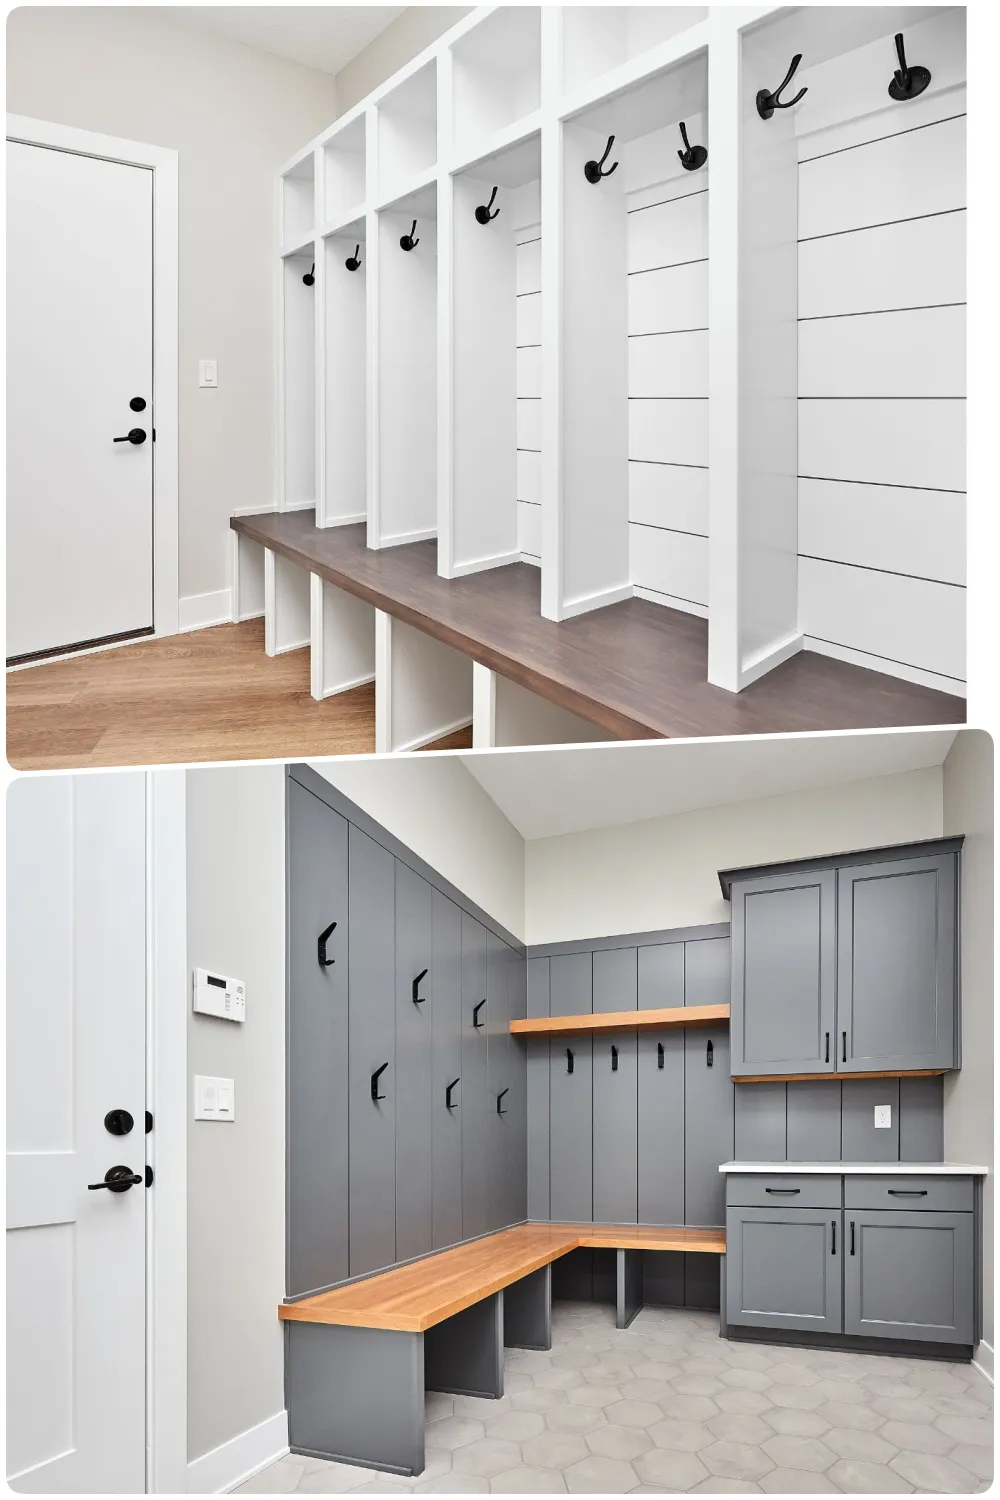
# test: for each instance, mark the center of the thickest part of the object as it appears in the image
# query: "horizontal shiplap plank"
(914, 264)
(899, 619)
(668, 364)
(919, 532)
(668, 495)
(898, 177)
(529, 319)
(919, 444)
(669, 234)
(670, 562)
(916, 352)
(529, 424)
(529, 478)
(673, 298)
(529, 267)
(669, 431)
(529, 371)
(529, 529)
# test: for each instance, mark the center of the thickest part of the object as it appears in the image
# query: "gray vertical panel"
(813, 1131)
(661, 1099)
(663, 1278)
(498, 1080)
(446, 1124)
(414, 1064)
(760, 1122)
(708, 1091)
(615, 1092)
(317, 1183)
(701, 1281)
(921, 1119)
(464, 1354)
(538, 1093)
(371, 1043)
(605, 1275)
(571, 1094)
(859, 1140)
(474, 1100)
(518, 1122)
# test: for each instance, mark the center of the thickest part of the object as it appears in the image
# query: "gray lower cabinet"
(783, 1268)
(660, 1086)
(415, 1001)
(909, 1275)
(317, 1177)
(571, 1094)
(615, 1127)
(446, 1072)
(475, 1125)
(498, 1093)
(371, 1053)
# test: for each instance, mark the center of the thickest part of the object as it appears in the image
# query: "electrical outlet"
(883, 1117)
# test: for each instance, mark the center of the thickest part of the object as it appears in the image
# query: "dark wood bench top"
(635, 669)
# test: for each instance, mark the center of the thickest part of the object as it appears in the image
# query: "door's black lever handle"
(475, 1015)
(500, 1101)
(447, 1093)
(376, 1096)
(135, 436)
(321, 943)
(418, 999)
(116, 1180)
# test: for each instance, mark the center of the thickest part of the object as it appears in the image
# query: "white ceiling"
(547, 792)
(325, 37)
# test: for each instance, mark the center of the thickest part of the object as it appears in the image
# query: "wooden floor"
(206, 696)
(638, 670)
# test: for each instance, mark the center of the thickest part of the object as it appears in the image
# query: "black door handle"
(852, 1236)
(475, 1015)
(614, 1058)
(116, 1180)
(418, 999)
(321, 943)
(135, 436)
(833, 1236)
(500, 1100)
(447, 1093)
(376, 1096)
(569, 1060)
(785, 1192)
(908, 1192)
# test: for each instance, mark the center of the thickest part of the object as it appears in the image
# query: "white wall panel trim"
(886, 135)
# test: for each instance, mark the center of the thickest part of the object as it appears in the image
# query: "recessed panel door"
(909, 1275)
(783, 1268)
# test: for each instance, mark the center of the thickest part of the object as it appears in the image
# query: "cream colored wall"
(234, 115)
(968, 1095)
(664, 873)
(409, 34)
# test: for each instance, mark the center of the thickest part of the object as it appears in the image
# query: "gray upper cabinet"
(415, 1002)
(896, 971)
(783, 1268)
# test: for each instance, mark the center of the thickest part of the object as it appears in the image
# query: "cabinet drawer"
(946, 1194)
(782, 1190)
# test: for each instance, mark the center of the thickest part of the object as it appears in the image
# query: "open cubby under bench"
(635, 669)
(360, 1357)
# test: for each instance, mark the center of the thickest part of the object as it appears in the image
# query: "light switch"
(214, 1098)
(208, 373)
(883, 1117)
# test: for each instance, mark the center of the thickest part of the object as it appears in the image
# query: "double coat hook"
(594, 170)
(767, 102)
(407, 242)
(353, 261)
(692, 157)
(907, 82)
(483, 215)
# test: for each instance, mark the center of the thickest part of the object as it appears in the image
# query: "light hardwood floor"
(205, 696)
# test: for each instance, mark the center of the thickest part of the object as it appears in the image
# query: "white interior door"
(79, 351)
(76, 960)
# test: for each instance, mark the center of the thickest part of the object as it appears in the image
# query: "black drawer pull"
(827, 1058)
(418, 999)
(790, 1192)
(852, 1236)
(833, 1236)
(569, 1060)
(614, 1058)
(321, 943)
(376, 1096)
(659, 1055)
(907, 1192)
(500, 1096)
(475, 1015)
(844, 1045)
(447, 1093)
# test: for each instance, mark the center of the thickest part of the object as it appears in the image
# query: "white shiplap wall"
(528, 240)
(881, 286)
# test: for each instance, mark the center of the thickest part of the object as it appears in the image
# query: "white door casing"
(76, 1049)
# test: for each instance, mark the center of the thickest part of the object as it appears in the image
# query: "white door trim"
(163, 163)
(166, 1090)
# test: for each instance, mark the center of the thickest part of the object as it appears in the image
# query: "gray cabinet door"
(708, 1087)
(783, 1268)
(446, 1024)
(538, 1093)
(909, 1275)
(661, 1090)
(475, 1139)
(371, 1046)
(414, 1045)
(896, 965)
(317, 1181)
(571, 1104)
(615, 1092)
(518, 997)
(498, 1093)
(783, 974)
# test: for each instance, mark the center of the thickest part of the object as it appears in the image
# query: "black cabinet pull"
(659, 1055)
(907, 1192)
(827, 1059)
(475, 1015)
(569, 1060)
(852, 1236)
(447, 1093)
(116, 1180)
(321, 943)
(418, 999)
(844, 1045)
(500, 1101)
(784, 1192)
(709, 1056)
(833, 1236)
(376, 1096)
(614, 1058)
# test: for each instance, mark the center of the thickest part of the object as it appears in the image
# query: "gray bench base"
(905, 1348)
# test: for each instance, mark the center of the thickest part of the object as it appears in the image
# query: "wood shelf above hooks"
(673, 1018)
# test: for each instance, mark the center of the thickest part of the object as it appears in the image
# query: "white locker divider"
(342, 639)
(507, 714)
(423, 688)
(342, 455)
(248, 563)
(287, 607)
(298, 384)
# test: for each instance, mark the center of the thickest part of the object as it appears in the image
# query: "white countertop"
(861, 1168)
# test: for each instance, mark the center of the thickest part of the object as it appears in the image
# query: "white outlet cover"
(883, 1117)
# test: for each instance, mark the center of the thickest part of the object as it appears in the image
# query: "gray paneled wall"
(834, 1120)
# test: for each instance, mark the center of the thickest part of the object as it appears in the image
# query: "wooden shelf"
(675, 1018)
(828, 1076)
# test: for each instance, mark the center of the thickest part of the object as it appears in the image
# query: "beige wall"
(968, 1095)
(236, 1171)
(409, 34)
(664, 873)
(234, 115)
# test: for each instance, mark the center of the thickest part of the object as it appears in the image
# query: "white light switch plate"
(208, 373)
(214, 1098)
(883, 1117)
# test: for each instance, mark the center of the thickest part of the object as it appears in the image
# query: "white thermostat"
(219, 995)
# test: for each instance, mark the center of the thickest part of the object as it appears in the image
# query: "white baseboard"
(586, 602)
(672, 601)
(982, 1358)
(223, 1468)
(198, 611)
(346, 687)
(483, 564)
(952, 685)
(438, 734)
(406, 537)
(765, 661)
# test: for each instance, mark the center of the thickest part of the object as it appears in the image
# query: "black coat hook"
(483, 215)
(321, 943)
(500, 1096)
(594, 170)
(614, 1058)
(310, 276)
(353, 261)
(692, 157)
(569, 1060)
(417, 998)
(907, 82)
(447, 1093)
(376, 1096)
(659, 1055)
(407, 242)
(709, 1055)
(767, 102)
(477, 1023)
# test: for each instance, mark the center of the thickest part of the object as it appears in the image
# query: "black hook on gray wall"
(614, 1058)
(310, 277)
(907, 82)
(500, 1097)
(376, 1096)
(569, 1060)
(407, 242)
(418, 999)
(483, 215)
(477, 1023)
(659, 1056)
(321, 943)
(447, 1093)
(594, 170)
(767, 102)
(353, 261)
(709, 1055)
(692, 157)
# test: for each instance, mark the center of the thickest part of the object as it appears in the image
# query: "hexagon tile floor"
(667, 1405)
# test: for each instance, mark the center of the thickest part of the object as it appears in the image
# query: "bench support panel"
(527, 1311)
(356, 1394)
(629, 1288)
(464, 1355)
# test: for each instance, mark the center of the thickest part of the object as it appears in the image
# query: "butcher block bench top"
(413, 1298)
